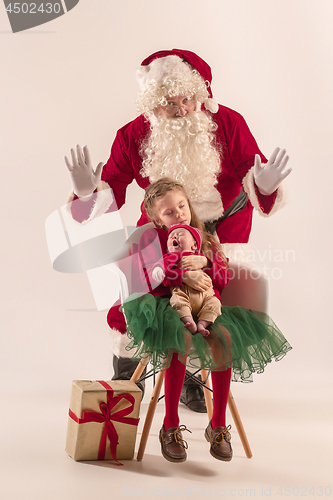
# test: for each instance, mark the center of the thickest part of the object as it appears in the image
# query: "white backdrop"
(73, 81)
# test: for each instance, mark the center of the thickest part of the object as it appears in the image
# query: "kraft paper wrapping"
(83, 439)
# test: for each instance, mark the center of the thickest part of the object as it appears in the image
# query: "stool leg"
(207, 394)
(139, 369)
(239, 425)
(150, 414)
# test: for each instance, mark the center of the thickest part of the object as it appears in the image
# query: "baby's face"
(181, 240)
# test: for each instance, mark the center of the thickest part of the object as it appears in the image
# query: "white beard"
(182, 148)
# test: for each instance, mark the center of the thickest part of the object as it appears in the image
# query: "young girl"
(240, 341)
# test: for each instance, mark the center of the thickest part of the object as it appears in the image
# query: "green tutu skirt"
(242, 339)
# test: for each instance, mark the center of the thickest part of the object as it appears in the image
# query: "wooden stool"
(209, 404)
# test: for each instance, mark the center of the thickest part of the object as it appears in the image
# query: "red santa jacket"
(238, 149)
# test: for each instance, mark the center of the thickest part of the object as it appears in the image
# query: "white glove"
(84, 178)
(268, 177)
(158, 274)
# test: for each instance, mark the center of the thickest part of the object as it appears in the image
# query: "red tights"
(221, 386)
(173, 383)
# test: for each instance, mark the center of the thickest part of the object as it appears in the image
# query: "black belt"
(238, 204)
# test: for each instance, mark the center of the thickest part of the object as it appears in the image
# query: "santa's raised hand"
(84, 178)
(269, 176)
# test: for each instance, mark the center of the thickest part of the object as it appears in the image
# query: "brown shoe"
(173, 446)
(219, 439)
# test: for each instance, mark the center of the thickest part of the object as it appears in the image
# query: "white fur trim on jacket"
(235, 251)
(249, 188)
(103, 201)
(210, 207)
(119, 341)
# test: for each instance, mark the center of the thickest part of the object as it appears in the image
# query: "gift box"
(103, 420)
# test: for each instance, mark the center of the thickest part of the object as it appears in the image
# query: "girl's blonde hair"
(159, 189)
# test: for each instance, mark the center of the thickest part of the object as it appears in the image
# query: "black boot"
(124, 369)
(192, 394)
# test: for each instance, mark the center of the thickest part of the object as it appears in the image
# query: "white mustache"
(177, 123)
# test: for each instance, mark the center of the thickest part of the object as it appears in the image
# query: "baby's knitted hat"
(196, 233)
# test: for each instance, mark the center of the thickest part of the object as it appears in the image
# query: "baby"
(186, 240)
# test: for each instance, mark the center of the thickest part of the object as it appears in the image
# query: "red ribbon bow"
(106, 416)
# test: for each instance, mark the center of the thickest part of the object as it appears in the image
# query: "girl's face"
(172, 208)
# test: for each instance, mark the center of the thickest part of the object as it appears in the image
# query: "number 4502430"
(32, 8)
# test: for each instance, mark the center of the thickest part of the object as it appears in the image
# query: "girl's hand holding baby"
(193, 262)
(197, 279)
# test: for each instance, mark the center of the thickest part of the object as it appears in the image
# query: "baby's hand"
(193, 262)
(158, 274)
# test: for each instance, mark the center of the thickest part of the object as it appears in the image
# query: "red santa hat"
(175, 72)
(196, 233)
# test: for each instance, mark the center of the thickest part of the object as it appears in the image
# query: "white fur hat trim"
(211, 105)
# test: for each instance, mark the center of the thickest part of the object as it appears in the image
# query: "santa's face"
(171, 209)
(177, 106)
(181, 240)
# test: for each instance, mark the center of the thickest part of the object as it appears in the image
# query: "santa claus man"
(182, 133)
